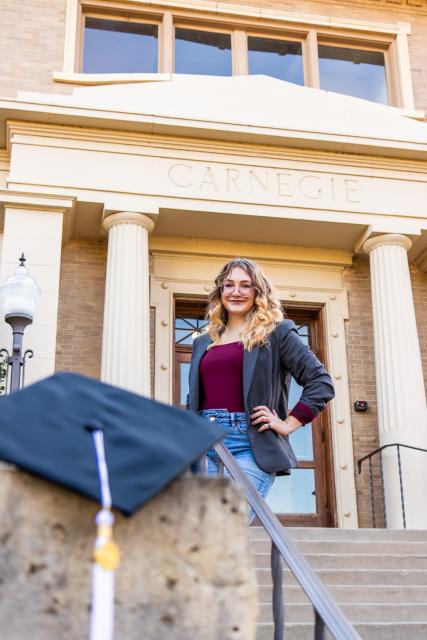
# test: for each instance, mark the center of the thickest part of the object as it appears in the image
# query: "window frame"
(209, 28)
(362, 45)
(241, 21)
(117, 17)
(286, 37)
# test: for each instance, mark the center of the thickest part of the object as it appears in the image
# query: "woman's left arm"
(308, 371)
(297, 359)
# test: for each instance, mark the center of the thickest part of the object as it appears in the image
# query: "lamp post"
(19, 297)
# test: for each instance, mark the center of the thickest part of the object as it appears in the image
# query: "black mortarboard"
(43, 430)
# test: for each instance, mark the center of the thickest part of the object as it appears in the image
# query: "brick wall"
(361, 374)
(31, 45)
(81, 306)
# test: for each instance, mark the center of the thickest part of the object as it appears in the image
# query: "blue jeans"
(237, 442)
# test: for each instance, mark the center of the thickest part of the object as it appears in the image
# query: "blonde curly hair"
(260, 321)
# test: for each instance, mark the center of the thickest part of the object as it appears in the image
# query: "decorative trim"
(80, 136)
(128, 217)
(96, 79)
(40, 201)
(386, 240)
(191, 275)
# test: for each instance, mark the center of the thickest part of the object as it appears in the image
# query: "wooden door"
(305, 498)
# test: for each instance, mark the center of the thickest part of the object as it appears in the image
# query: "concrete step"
(374, 631)
(354, 547)
(319, 534)
(355, 612)
(356, 577)
(351, 561)
(379, 593)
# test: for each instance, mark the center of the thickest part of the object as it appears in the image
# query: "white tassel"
(106, 556)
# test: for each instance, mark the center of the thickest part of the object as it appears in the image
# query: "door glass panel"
(354, 72)
(294, 493)
(301, 440)
(116, 46)
(202, 52)
(184, 370)
(276, 58)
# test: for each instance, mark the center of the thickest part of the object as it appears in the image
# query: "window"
(116, 46)
(276, 58)
(362, 59)
(355, 72)
(202, 52)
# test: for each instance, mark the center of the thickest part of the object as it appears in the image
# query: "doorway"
(306, 497)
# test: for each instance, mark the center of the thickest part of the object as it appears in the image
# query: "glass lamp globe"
(20, 294)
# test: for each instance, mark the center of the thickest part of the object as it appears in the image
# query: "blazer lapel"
(249, 363)
(194, 381)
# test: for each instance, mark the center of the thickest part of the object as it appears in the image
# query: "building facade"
(143, 144)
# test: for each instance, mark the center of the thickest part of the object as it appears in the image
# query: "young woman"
(241, 370)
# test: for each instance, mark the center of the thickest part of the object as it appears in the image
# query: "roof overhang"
(248, 109)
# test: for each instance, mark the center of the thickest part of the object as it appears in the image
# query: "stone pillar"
(126, 335)
(402, 411)
(34, 225)
(186, 569)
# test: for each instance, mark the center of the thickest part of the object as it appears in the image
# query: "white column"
(402, 412)
(126, 334)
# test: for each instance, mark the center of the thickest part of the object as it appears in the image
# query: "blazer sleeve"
(194, 347)
(297, 359)
(187, 403)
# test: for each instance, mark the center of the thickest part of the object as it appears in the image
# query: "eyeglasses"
(244, 289)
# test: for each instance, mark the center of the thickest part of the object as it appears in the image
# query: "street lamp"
(19, 297)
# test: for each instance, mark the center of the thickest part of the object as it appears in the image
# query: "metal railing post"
(277, 599)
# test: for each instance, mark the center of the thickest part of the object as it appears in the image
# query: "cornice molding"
(124, 141)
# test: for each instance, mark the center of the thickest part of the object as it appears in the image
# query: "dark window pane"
(187, 328)
(114, 46)
(276, 58)
(353, 72)
(202, 52)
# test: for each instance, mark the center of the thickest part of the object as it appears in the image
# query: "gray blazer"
(267, 373)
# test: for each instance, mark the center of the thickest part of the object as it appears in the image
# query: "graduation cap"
(45, 429)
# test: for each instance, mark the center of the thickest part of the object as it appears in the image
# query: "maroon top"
(221, 377)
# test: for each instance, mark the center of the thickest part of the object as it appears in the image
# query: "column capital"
(395, 239)
(128, 217)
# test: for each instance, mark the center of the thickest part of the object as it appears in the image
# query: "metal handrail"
(369, 457)
(326, 611)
